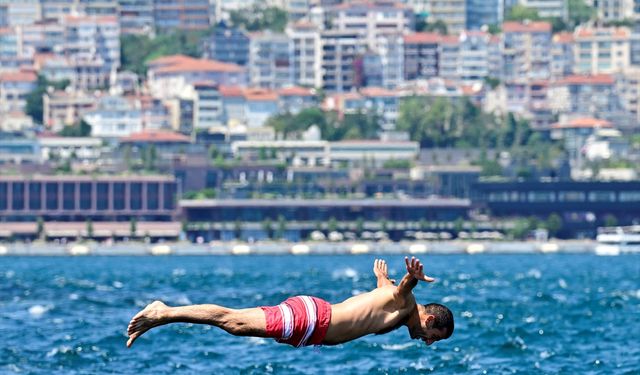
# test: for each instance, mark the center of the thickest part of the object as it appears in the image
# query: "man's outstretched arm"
(414, 274)
(380, 270)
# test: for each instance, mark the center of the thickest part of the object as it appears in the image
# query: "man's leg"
(238, 322)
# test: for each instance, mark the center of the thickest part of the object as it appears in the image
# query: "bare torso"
(367, 313)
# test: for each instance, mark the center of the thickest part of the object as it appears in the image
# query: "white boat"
(618, 240)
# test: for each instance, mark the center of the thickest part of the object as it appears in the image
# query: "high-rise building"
(612, 10)
(227, 44)
(473, 57)
(136, 16)
(181, 14)
(484, 12)
(421, 55)
(340, 52)
(526, 51)
(452, 12)
(270, 60)
(563, 59)
(307, 53)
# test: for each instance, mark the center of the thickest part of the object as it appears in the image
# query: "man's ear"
(429, 319)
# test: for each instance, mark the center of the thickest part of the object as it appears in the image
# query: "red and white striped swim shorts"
(298, 321)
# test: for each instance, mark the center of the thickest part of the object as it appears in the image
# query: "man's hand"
(380, 270)
(414, 268)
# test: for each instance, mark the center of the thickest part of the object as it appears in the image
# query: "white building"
(115, 117)
(473, 58)
(548, 8)
(340, 49)
(14, 89)
(271, 60)
(562, 55)
(612, 10)
(452, 12)
(602, 50)
(307, 53)
(82, 148)
(62, 108)
(526, 50)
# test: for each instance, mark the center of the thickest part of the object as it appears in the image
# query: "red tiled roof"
(153, 136)
(615, 32)
(256, 94)
(422, 38)
(563, 37)
(295, 91)
(450, 39)
(376, 92)
(583, 122)
(597, 79)
(530, 27)
(181, 63)
(21, 76)
(90, 19)
(230, 90)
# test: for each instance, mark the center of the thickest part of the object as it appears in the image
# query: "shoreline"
(300, 248)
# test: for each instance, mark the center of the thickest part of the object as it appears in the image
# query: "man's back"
(367, 313)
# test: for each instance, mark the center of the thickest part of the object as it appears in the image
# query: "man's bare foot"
(155, 314)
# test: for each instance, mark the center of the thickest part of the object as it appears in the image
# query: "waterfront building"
(162, 143)
(574, 134)
(217, 219)
(63, 148)
(79, 198)
(391, 52)
(484, 12)
(448, 180)
(582, 206)
(227, 44)
(602, 50)
(421, 55)
(628, 85)
(526, 50)
(371, 153)
(114, 117)
(562, 52)
(305, 152)
(248, 106)
(169, 76)
(270, 60)
(19, 150)
(307, 53)
(135, 16)
(181, 14)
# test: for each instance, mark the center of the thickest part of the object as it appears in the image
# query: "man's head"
(436, 323)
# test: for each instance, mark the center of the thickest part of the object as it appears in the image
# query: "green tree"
(554, 224)
(332, 226)
(580, 12)
(610, 221)
(34, 102)
(521, 13)
(150, 158)
(40, 228)
(81, 129)
(213, 152)
(133, 227)
(89, 228)
(438, 26)
(458, 225)
(260, 17)
(237, 229)
(282, 227)
(267, 227)
(359, 226)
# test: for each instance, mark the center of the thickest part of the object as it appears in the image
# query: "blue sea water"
(514, 314)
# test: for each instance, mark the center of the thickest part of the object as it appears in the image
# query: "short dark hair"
(444, 317)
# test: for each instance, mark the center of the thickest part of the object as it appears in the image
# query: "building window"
(68, 196)
(169, 196)
(153, 196)
(571, 196)
(103, 198)
(118, 195)
(86, 196)
(18, 196)
(629, 196)
(51, 193)
(35, 196)
(135, 200)
(602, 196)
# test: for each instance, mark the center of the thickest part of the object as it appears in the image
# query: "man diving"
(304, 320)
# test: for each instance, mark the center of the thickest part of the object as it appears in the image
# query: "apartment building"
(181, 14)
(270, 60)
(114, 117)
(562, 54)
(307, 53)
(340, 51)
(421, 55)
(452, 12)
(227, 44)
(62, 108)
(136, 16)
(526, 50)
(612, 10)
(484, 12)
(548, 8)
(14, 89)
(602, 50)
(473, 56)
